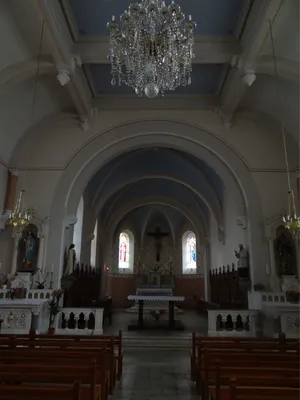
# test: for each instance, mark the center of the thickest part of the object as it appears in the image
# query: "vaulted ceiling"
(156, 176)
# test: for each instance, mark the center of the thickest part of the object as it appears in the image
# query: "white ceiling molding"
(252, 40)
(208, 49)
(60, 44)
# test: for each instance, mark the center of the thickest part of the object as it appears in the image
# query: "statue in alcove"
(28, 250)
(285, 253)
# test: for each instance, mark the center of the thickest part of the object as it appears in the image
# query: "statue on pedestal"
(71, 260)
(242, 256)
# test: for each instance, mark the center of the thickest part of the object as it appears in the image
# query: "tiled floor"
(159, 374)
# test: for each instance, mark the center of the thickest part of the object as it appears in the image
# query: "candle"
(190, 17)
(170, 259)
(52, 268)
(113, 18)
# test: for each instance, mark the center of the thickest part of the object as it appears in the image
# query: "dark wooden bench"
(95, 372)
(249, 376)
(199, 342)
(28, 392)
(235, 391)
(115, 341)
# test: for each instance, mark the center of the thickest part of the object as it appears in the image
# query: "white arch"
(191, 139)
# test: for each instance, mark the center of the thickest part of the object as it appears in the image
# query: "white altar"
(18, 315)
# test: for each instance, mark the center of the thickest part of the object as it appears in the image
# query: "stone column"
(271, 269)
(11, 190)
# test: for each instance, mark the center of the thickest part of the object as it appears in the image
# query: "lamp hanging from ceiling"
(21, 216)
(291, 219)
(151, 49)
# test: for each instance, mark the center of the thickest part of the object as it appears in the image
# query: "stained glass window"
(124, 248)
(189, 252)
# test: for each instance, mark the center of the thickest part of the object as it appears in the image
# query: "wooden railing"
(86, 272)
(229, 287)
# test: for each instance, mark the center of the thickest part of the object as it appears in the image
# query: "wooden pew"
(17, 392)
(92, 369)
(199, 342)
(246, 392)
(115, 341)
(59, 374)
(66, 345)
(211, 361)
(250, 376)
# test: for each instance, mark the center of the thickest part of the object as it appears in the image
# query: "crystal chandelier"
(151, 49)
(19, 217)
(291, 219)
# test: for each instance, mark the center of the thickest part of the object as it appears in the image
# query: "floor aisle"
(159, 374)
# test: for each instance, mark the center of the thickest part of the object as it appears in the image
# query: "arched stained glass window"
(126, 251)
(189, 253)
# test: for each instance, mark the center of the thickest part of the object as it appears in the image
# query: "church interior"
(150, 199)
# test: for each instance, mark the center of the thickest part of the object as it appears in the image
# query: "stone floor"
(155, 375)
(192, 320)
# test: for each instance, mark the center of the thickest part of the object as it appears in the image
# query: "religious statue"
(285, 255)
(71, 260)
(28, 250)
(242, 256)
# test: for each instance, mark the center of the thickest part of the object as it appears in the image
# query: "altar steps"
(167, 341)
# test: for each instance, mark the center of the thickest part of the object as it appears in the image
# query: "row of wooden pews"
(246, 368)
(59, 367)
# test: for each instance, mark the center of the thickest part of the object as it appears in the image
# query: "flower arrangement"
(13, 292)
(54, 306)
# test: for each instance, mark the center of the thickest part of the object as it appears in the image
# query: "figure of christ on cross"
(158, 235)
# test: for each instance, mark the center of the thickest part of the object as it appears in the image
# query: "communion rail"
(232, 323)
(79, 321)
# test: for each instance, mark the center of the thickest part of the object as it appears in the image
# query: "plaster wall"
(3, 184)
(56, 148)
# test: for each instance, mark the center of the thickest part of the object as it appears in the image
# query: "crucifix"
(158, 235)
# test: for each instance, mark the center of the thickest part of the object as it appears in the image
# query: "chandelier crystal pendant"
(20, 216)
(292, 219)
(151, 49)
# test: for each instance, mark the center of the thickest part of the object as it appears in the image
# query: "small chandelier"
(19, 217)
(151, 49)
(291, 220)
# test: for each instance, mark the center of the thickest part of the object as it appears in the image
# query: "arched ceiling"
(156, 173)
(236, 28)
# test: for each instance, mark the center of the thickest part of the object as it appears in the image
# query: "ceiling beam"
(208, 50)
(242, 73)
(67, 63)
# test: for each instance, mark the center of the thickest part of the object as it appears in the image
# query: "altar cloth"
(155, 298)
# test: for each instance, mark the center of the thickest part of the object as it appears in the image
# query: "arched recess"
(179, 135)
(147, 219)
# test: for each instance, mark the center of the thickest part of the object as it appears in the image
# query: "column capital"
(14, 171)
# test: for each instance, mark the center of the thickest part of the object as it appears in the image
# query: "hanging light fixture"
(20, 217)
(291, 219)
(151, 49)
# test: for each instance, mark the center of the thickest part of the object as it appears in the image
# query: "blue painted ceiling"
(206, 79)
(213, 17)
(156, 172)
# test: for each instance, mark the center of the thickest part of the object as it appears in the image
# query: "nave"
(155, 375)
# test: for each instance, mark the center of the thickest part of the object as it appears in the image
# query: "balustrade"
(231, 323)
(80, 321)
